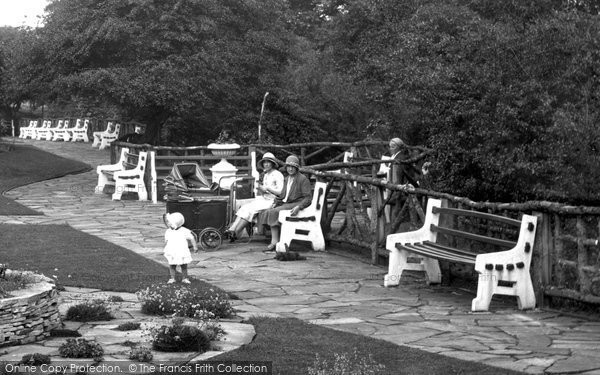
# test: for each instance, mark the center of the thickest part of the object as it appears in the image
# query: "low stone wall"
(30, 315)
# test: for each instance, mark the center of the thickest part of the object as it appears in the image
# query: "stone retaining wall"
(30, 315)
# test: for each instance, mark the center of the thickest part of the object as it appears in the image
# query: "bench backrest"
(490, 226)
(472, 230)
(123, 158)
(117, 129)
(318, 200)
(135, 161)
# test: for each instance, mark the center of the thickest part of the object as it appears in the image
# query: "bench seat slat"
(471, 236)
(431, 252)
(481, 215)
(450, 249)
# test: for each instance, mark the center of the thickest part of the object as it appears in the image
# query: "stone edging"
(31, 314)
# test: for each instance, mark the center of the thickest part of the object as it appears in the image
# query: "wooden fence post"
(375, 222)
(542, 255)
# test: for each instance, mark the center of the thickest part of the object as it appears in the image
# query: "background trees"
(505, 92)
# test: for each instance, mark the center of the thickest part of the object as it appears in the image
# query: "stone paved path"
(329, 288)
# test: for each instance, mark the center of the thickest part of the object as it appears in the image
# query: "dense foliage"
(505, 92)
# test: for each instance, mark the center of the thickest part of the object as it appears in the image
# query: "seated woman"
(295, 196)
(271, 187)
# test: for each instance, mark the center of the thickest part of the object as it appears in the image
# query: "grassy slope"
(292, 344)
(25, 165)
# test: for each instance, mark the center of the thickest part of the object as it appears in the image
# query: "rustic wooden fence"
(566, 259)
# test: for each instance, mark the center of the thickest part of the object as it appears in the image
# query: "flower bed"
(30, 314)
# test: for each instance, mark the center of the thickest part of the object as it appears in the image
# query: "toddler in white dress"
(177, 249)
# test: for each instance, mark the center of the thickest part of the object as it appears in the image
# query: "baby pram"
(205, 207)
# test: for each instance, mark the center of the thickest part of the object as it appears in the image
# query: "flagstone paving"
(329, 288)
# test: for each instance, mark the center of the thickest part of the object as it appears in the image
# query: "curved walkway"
(329, 288)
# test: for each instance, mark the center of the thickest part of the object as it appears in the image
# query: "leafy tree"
(16, 75)
(493, 87)
(184, 64)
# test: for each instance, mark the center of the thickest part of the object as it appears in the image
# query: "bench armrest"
(109, 168)
(303, 215)
(422, 234)
(520, 254)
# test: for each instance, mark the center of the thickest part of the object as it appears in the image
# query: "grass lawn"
(74, 258)
(25, 165)
(292, 344)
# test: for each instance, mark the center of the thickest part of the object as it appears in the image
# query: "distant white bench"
(59, 126)
(109, 137)
(23, 130)
(501, 272)
(29, 131)
(43, 131)
(306, 225)
(61, 133)
(127, 175)
(80, 131)
(101, 138)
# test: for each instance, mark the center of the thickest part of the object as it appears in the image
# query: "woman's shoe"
(231, 235)
(270, 248)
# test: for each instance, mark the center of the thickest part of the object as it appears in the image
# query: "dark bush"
(35, 359)
(180, 338)
(81, 348)
(88, 312)
(63, 332)
(129, 326)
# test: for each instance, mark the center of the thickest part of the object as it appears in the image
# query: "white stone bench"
(61, 133)
(110, 130)
(306, 225)
(502, 272)
(60, 124)
(127, 175)
(109, 138)
(80, 132)
(29, 131)
(132, 180)
(106, 172)
(42, 132)
(24, 130)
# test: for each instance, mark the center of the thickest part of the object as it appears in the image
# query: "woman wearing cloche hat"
(267, 191)
(296, 195)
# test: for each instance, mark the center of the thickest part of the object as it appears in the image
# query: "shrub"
(212, 330)
(355, 364)
(89, 312)
(179, 337)
(81, 348)
(63, 332)
(115, 299)
(128, 326)
(141, 354)
(35, 359)
(168, 299)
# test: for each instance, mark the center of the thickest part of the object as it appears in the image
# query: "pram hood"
(185, 178)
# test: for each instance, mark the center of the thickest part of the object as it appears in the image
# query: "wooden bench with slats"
(505, 271)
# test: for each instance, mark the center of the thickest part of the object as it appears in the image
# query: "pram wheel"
(210, 239)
